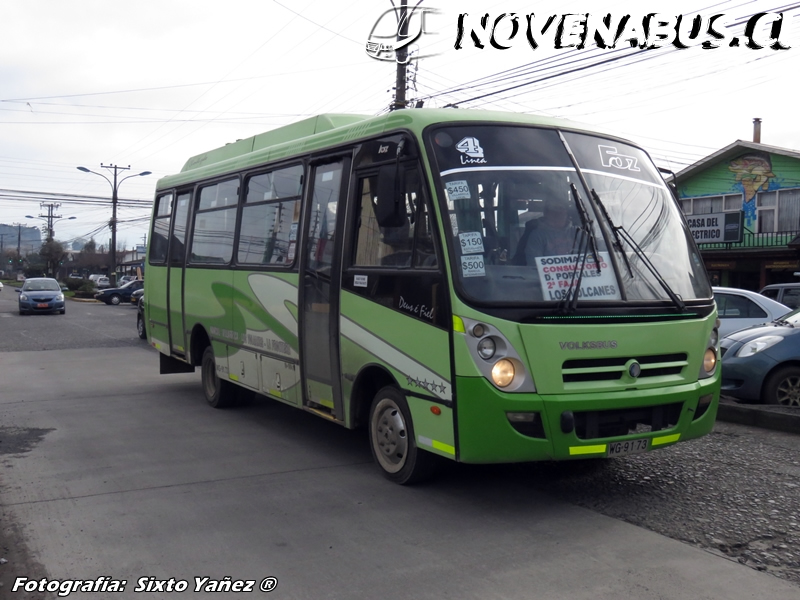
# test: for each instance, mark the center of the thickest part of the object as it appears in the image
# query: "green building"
(743, 206)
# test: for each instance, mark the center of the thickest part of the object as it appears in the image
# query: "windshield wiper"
(569, 302)
(620, 233)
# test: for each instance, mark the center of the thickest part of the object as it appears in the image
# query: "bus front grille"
(611, 423)
(622, 369)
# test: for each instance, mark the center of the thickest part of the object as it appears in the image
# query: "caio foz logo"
(386, 37)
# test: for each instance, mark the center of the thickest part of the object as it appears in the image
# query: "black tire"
(63, 311)
(392, 441)
(218, 393)
(140, 328)
(783, 387)
(115, 299)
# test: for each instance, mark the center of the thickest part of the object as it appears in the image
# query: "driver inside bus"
(552, 235)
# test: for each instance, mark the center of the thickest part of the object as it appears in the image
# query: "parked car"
(126, 279)
(120, 294)
(41, 295)
(785, 293)
(738, 309)
(136, 295)
(762, 364)
(140, 323)
(75, 276)
(102, 283)
(1, 286)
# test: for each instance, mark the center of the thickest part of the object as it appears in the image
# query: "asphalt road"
(113, 471)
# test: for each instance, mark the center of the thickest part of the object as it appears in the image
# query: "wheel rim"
(114, 299)
(389, 436)
(788, 392)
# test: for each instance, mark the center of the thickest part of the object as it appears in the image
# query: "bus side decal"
(416, 374)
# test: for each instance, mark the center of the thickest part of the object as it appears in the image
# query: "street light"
(114, 187)
(50, 220)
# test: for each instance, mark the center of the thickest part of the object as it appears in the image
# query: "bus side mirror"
(390, 209)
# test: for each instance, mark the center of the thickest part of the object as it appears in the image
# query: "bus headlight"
(710, 360)
(486, 348)
(503, 373)
(711, 355)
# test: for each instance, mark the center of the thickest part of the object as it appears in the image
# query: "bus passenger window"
(271, 212)
(215, 223)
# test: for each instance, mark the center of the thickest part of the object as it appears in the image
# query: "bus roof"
(330, 130)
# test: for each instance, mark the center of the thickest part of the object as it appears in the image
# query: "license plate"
(41, 305)
(628, 447)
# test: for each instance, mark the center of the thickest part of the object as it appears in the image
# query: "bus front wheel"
(391, 437)
(218, 393)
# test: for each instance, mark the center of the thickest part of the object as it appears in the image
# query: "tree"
(90, 247)
(52, 253)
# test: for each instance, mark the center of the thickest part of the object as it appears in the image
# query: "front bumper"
(485, 434)
(33, 306)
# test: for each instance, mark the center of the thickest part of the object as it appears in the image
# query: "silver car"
(738, 309)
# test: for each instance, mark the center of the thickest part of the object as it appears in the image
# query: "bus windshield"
(524, 229)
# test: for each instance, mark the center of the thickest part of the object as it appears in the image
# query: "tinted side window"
(791, 297)
(770, 294)
(731, 306)
(215, 223)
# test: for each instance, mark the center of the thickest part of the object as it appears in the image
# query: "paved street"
(111, 470)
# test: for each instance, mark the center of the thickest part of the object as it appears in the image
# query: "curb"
(760, 416)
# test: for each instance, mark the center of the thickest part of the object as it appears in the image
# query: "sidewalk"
(779, 418)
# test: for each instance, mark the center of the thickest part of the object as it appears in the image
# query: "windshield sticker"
(471, 147)
(454, 223)
(611, 158)
(471, 242)
(457, 190)
(557, 274)
(360, 281)
(473, 266)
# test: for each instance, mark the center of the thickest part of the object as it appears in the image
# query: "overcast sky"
(149, 84)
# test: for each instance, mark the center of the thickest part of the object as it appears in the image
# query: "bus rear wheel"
(218, 393)
(392, 441)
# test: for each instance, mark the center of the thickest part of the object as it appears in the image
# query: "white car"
(738, 309)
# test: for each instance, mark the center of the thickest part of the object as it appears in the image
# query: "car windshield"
(41, 285)
(525, 230)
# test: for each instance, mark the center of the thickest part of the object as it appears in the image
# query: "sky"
(147, 85)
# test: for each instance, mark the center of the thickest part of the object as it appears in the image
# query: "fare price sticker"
(473, 266)
(471, 242)
(457, 190)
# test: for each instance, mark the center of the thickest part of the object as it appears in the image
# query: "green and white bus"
(476, 286)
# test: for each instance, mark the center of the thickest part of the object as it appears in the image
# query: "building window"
(778, 211)
(712, 204)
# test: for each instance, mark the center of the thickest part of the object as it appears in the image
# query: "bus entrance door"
(177, 260)
(319, 333)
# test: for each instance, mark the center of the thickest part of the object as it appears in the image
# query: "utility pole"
(50, 217)
(113, 274)
(402, 57)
